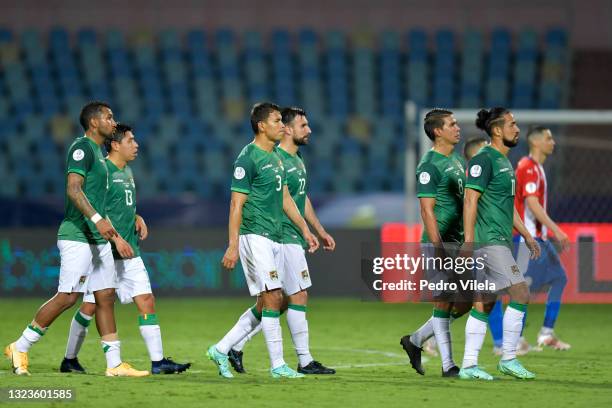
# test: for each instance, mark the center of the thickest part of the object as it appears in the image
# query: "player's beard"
(510, 143)
(300, 142)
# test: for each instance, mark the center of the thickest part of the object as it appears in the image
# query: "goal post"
(581, 134)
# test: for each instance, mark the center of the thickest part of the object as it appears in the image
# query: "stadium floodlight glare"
(417, 142)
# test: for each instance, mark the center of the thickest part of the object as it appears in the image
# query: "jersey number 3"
(280, 182)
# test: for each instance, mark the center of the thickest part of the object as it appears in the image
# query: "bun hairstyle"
(488, 119)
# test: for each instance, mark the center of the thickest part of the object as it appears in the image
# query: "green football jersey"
(491, 173)
(443, 178)
(85, 158)
(121, 205)
(261, 175)
(297, 183)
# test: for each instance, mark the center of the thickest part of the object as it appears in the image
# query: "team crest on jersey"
(273, 275)
(239, 173)
(78, 154)
(515, 270)
(305, 274)
(531, 188)
(475, 170)
(424, 177)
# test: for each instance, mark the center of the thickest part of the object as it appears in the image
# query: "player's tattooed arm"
(76, 195)
(329, 244)
(74, 190)
(531, 243)
(235, 218)
(294, 215)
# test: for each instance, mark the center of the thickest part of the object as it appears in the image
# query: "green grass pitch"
(360, 339)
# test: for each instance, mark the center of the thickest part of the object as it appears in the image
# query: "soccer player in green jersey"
(260, 198)
(297, 275)
(440, 182)
(488, 218)
(86, 259)
(132, 278)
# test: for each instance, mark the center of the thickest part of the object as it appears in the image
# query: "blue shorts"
(542, 271)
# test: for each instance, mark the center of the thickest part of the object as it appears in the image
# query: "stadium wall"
(181, 262)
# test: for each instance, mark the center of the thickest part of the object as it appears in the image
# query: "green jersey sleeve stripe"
(77, 171)
(240, 190)
(475, 187)
(426, 195)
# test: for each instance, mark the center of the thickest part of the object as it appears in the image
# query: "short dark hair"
(536, 130)
(434, 119)
(290, 113)
(471, 144)
(118, 136)
(488, 119)
(89, 111)
(260, 112)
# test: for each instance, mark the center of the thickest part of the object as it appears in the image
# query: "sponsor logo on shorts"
(515, 270)
(305, 274)
(82, 279)
(273, 275)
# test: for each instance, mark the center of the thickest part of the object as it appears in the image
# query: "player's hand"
(230, 258)
(328, 241)
(562, 238)
(106, 229)
(534, 248)
(141, 228)
(125, 250)
(311, 240)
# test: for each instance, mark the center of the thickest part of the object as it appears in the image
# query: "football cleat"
(285, 371)
(515, 369)
(235, 359)
(314, 367)
(220, 360)
(71, 365)
(474, 373)
(18, 360)
(167, 366)
(552, 341)
(451, 372)
(125, 370)
(414, 354)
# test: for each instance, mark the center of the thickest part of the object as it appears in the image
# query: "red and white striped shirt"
(530, 181)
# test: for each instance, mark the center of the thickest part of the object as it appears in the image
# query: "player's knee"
(68, 300)
(561, 280)
(88, 309)
(105, 297)
(146, 303)
(300, 298)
